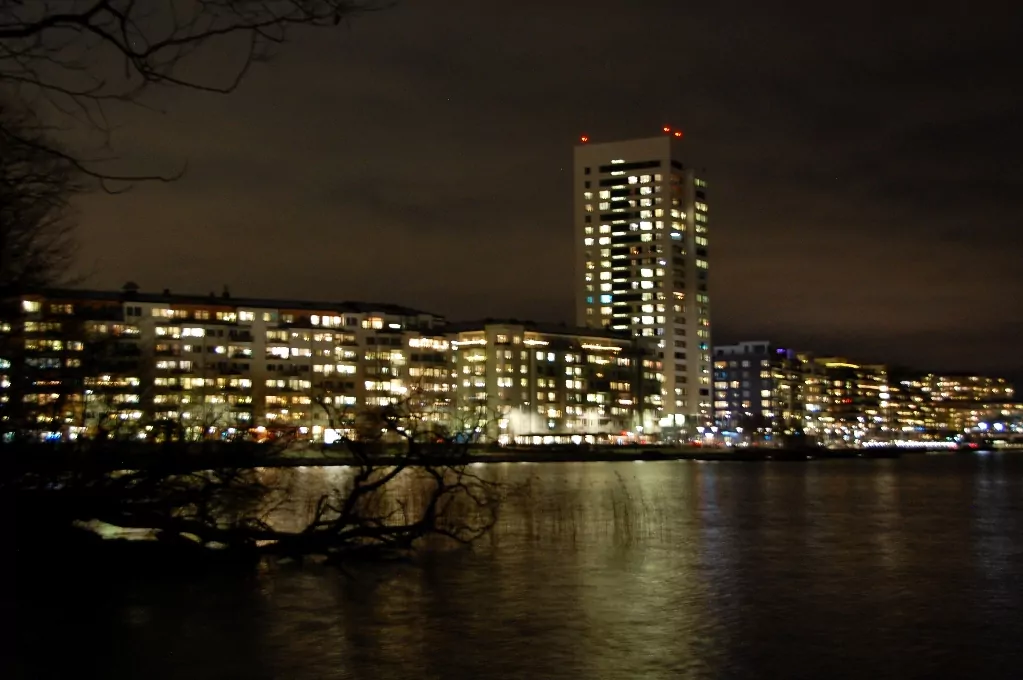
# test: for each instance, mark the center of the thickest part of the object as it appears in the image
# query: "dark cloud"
(863, 161)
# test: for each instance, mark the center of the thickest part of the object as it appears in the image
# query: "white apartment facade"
(76, 362)
(641, 260)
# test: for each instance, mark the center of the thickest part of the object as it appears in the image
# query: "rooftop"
(132, 294)
(549, 328)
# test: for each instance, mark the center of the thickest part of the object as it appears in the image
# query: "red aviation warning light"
(666, 129)
(584, 139)
(678, 133)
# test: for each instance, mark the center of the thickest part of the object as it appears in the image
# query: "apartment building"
(852, 404)
(74, 362)
(760, 389)
(524, 382)
(641, 259)
(932, 407)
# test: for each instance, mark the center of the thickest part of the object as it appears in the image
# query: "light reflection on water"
(907, 568)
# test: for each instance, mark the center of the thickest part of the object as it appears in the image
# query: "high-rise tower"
(641, 259)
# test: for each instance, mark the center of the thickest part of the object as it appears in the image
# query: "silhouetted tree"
(405, 484)
(36, 185)
(79, 56)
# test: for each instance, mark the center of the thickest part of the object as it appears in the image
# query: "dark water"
(859, 569)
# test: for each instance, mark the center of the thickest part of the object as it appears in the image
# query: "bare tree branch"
(37, 181)
(79, 56)
(404, 488)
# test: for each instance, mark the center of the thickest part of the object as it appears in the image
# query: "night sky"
(864, 166)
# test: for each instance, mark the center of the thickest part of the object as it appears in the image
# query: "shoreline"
(616, 455)
(181, 462)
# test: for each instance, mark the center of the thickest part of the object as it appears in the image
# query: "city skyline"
(92, 361)
(857, 205)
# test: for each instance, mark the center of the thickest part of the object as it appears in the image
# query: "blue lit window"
(604, 299)
(589, 299)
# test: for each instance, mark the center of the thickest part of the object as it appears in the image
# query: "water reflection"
(905, 568)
